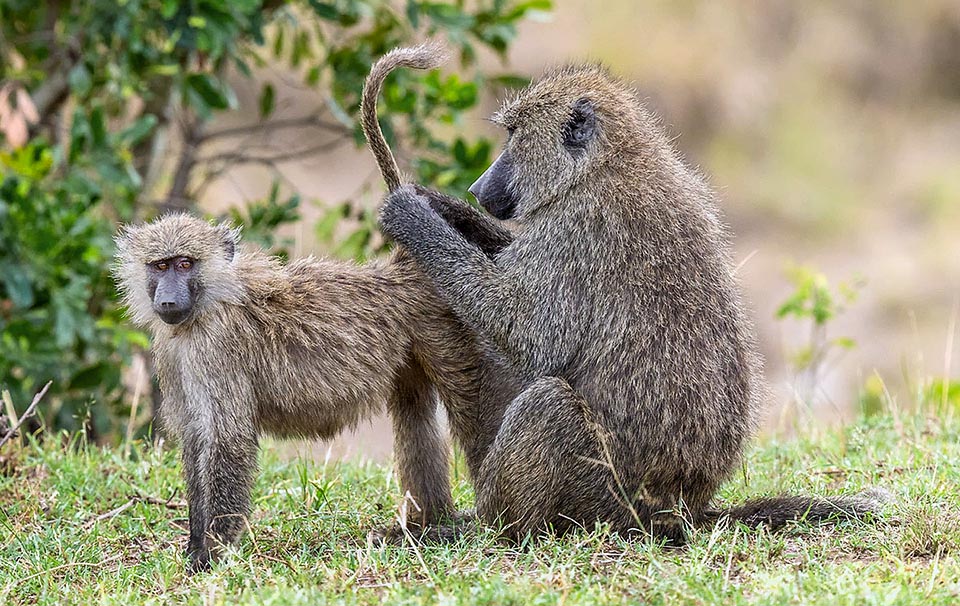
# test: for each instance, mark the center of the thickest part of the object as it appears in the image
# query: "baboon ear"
(229, 238)
(581, 127)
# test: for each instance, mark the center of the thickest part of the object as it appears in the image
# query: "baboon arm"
(491, 301)
(477, 227)
(193, 449)
(232, 468)
(220, 460)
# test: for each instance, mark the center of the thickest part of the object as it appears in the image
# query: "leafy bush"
(57, 315)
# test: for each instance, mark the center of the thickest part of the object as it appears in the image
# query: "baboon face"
(552, 135)
(173, 285)
(176, 267)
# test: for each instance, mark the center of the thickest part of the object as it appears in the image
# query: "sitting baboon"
(615, 303)
(246, 346)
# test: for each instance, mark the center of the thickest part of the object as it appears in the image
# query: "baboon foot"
(447, 530)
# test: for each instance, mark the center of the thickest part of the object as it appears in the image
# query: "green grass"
(61, 540)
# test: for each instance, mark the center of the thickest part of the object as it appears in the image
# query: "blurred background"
(830, 130)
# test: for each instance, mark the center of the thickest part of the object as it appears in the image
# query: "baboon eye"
(162, 265)
(184, 264)
(581, 126)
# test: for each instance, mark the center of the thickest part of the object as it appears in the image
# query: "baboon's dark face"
(548, 149)
(493, 189)
(173, 286)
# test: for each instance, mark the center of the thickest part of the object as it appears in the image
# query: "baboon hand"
(404, 213)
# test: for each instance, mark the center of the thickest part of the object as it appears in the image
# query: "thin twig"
(137, 497)
(110, 514)
(30, 410)
(133, 408)
(274, 125)
(168, 503)
(242, 158)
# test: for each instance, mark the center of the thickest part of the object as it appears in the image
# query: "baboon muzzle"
(492, 189)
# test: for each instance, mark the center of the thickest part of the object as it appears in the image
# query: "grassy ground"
(84, 525)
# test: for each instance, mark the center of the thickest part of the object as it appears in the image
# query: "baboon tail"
(776, 512)
(425, 56)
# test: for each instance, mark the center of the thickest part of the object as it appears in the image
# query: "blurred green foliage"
(815, 302)
(96, 96)
(57, 314)
(944, 395)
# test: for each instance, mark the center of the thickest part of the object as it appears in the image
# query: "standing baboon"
(615, 303)
(245, 346)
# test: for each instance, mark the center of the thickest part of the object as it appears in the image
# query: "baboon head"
(563, 127)
(175, 267)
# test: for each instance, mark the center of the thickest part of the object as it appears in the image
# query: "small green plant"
(816, 302)
(943, 395)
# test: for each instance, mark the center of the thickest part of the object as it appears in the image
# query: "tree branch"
(234, 158)
(191, 130)
(27, 413)
(312, 120)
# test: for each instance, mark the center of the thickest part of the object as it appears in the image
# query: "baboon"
(245, 346)
(614, 303)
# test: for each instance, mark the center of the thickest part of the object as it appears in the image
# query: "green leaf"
(278, 42)
(324, 10)
(79, 80)
(447, 16)
(208, 89)
(266, 100)
(522, 9)
(89, 377)
(512, 81)
(354, 246)
(313, 76)
(844, 342)
(98, 128)
(413, 13)
(138, 131)
(327, 225)
(18, 286)
(169, 8)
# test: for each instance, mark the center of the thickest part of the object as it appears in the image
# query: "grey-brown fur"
(615, 303)
(302, 350)
(425, 56)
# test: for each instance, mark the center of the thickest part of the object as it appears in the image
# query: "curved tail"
(425, 56)
(776, 512)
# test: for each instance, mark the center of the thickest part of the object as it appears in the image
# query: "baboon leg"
(197, 501)
(231, 472)
(545, 469)
(220, 472)
(420, 446)
(550, 468)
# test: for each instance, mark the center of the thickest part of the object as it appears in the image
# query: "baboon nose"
(477, 187)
